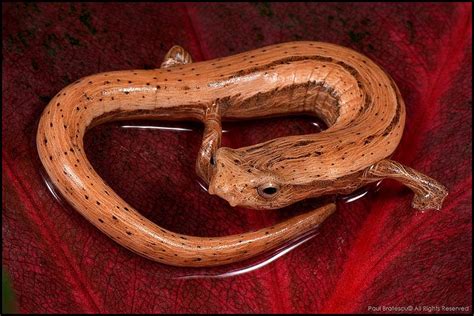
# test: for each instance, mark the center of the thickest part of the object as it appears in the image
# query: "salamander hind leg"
(429, 194)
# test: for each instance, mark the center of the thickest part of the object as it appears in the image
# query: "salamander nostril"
(212, 161)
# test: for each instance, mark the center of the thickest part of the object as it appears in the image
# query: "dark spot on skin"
(50, 124)
(126, 92)
(129, 81)
(129, 233)
(125, 208)
(113, 217)
(101, 220)
(303, 143)
(51, 158)
(368, 139)
(90, 82)
(158, 87)
(87, 197)
(180, 80)
(98, 203)
(197, 259)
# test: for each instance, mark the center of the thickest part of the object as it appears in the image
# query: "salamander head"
(241, 184)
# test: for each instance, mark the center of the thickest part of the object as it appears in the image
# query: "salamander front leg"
(211, 141)
(429, 194)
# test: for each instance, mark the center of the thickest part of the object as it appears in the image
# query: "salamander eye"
(268, 190)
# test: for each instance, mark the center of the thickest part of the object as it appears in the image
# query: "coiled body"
(358, 101)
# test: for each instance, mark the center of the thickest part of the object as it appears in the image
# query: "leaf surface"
(374, 252)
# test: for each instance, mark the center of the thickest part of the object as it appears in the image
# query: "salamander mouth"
(223, 176)
(223, 191)
(224, 184)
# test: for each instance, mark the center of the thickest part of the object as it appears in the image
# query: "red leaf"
(374, 252)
